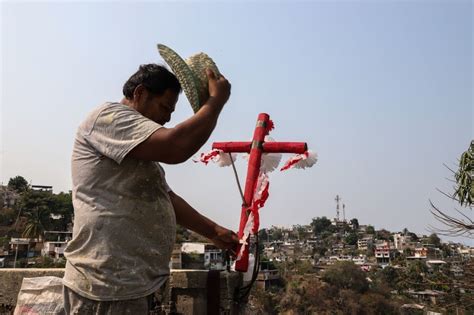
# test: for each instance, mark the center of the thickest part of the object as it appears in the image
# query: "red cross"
(255, 149)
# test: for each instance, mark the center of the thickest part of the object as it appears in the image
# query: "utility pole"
(344, 211)
(16, 255)
(337, 207)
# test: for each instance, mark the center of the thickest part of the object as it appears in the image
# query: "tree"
(351, 238)
(18, 183)
(263, 235)
(36, 223)
(383, 235)
(434, 239)
(355, 223)
(320, 225)
(33, 201)
(459, 224)
(346, 275)
(276, 234)
(464, 189)
(61, 205)
(413, 236)
(370, 229)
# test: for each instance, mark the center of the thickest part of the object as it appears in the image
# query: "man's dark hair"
(155, 78)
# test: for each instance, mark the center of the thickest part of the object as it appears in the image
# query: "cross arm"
(268, 147)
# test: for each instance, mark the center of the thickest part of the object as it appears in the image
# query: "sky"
(381, 90)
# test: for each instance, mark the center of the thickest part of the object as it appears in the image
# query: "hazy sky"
(381, 90)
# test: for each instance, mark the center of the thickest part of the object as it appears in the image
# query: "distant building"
(402, 242)
(176, 258)
(365, 243)
(43, 188)
(384, 253)
(202, 256)
(55, 243)
(8, 197)
(338, 223)
(427, 296)
(425, 251)
(24, 247)
(54, 249)
(362, 228)
(268, 276)
(359, 260)
(466, 252)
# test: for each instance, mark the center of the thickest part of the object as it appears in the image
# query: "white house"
(210, 256)
(54, 249)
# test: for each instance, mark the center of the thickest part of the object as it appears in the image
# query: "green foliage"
(434, 239)
(388, 276)
(408, 251)
(35, 225)
(182, 234)
(351, 238)
(18, 183)
(302, 267)
(276, 235)
(375, 303)
(355, 223)
(370, 229)
(7, 216)
(61, 205)
(413, 236)
(4, 242)
(264, 302)
(384, 235)
(464, 190)
(321, 225)
(38, 206)
(48, 262)
(346, 275)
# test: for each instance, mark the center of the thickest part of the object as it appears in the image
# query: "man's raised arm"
(176, 145)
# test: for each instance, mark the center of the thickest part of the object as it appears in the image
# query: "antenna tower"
(337, 207)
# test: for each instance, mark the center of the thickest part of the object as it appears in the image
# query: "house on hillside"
(54, 249)
(384, 253)
(43, 188)
(24, 247)
(8, 197)
(268, 275)
(365, 242)
(55, 243)
(402, 242)
(202, 256)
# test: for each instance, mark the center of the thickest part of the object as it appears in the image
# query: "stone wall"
(185, 292)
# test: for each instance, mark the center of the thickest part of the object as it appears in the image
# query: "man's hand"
(219, 90)
(225, 239)
(189, 218)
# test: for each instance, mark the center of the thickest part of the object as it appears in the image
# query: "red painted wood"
(285, 147)
(255, 150)
(232, 146)
(253, 170)
(268, 147)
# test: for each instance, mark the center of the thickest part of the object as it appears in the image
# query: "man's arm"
(189, 218)
(176, 145)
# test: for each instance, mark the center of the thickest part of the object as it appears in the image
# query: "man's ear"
(140, 93)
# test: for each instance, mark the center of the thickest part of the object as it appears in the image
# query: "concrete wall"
(185, 292)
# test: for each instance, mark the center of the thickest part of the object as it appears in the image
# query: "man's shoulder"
(105, 109)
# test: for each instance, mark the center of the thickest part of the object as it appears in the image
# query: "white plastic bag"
(40, 295)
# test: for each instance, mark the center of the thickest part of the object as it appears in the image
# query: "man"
(125, 213)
